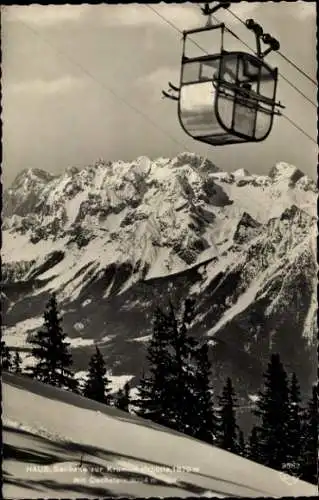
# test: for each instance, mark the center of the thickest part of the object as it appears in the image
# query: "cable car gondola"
(227, 97)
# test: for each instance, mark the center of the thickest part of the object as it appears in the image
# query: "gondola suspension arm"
(207, 11)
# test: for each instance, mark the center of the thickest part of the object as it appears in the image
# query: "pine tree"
(16, 364)
(6, 357)
(122, 399)
(52, 351)
(273, 410)
(178, 378)
(242, 451)
(309, 449)
(253, 447)
(185, 379)
(143, 400)
(154, 399)
(204, 419)
(228, 431)
(97, 384)
(294, 427)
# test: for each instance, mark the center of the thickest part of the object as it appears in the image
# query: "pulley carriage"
(227, 97)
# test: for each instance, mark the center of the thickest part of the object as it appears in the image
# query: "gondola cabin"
(227, 97)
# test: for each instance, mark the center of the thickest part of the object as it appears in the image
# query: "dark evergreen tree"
(241, 444)
(204, 423)
(122, 399)
(253, 446)
(51, 351)
(178, 378)
(165, 393)
(154, 399)
(6, 357)
(143, 400)
(228, 429)
(184, 381)
(294, 427)
(97, 384)
(16, 363)
(309, 449)
(273, 411)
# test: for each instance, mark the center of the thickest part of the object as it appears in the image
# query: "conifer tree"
(122, 399)
(228, 429)
(51, 350)
(6, 357)
(143, 400)
(253, 447)
(16, 363)
(204, 419)
(241, 444)
(273, 410)
(154, 392)
(309, 449)
(294, 427)
(97, 384)
(178, 378)
(184, 382)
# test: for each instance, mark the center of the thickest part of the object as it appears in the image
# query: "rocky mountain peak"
(307, 184)
(247, 229)
(241, 172)
(30, 177)
(197, 162)
(285, 172)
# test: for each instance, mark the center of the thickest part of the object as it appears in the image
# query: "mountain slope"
(115, 239)
(44, 443)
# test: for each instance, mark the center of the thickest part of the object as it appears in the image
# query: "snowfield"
(58, 444)
(18, 335)
(116, 381)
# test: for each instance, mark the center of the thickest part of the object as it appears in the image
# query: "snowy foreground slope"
(47, 431)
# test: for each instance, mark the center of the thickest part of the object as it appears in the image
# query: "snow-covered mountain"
(115, 238)
(64, 445)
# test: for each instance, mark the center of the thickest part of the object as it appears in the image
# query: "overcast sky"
(59, 62)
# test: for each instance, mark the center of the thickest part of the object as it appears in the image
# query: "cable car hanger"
(227, 97)
(207, 11)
